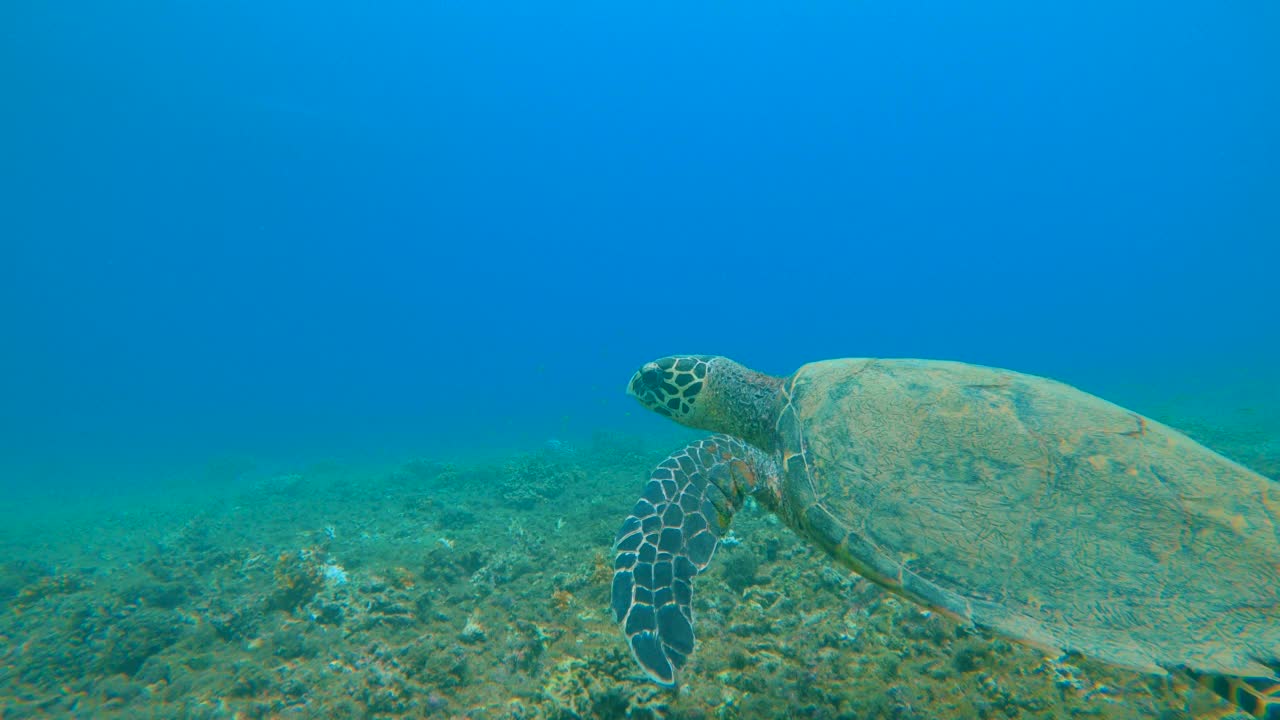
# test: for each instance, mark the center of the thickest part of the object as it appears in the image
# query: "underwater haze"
(274, 227)
(283, 266)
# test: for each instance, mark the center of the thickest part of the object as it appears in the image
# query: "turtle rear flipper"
(669, 537)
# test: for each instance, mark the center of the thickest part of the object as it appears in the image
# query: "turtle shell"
(1037, 510)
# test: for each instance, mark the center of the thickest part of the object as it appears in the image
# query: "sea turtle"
(1002, 500)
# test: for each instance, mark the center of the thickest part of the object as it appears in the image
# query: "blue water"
(297, 229)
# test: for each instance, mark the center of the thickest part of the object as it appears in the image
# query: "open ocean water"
(317, 321)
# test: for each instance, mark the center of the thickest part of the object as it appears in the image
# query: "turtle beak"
(634, 383)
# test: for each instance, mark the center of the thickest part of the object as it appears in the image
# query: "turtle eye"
(651, 378)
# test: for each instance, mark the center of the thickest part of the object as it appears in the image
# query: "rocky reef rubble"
(446, 590)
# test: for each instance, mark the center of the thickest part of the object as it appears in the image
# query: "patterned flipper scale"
(669, 538)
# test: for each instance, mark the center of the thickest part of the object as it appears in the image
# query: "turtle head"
(672, 386)
(710, 392)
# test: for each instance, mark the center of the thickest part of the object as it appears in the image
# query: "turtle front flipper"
(670, 537)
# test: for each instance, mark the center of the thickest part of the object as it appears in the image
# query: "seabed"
(437, 590)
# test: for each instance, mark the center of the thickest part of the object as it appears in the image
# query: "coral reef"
(449, 591)
(530, 479)
(299, 575)
(63, 584)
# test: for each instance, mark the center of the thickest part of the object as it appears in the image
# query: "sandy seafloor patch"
(480, 591)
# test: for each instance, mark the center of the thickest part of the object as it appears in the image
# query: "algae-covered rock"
(473, 632)
(437, 662)
(444, 564)
(299, 575)
(121, 689)
(572, 691)
(249, 679)
(235, 620)
(50, 586)
(740, 569)
(534, 478)
(577, 689)
(134, 638)
(18, 574)
(294, 643)
(165, 595)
